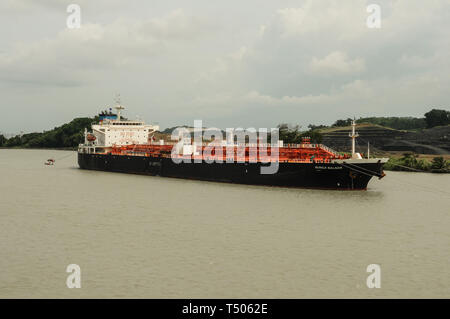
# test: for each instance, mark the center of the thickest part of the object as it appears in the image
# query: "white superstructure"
(114, 130)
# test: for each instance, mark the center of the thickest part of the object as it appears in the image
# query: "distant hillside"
(169, 130)
(426, 141)
(67, 135)
(435, 117)
(398, 123)
(427, 135)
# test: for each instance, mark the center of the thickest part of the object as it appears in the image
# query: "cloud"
(323, 54)
(57, 5)
(336, 62)
(74, 55)
(287, 61)
(357, 89)
(415, 61)
(344, 19)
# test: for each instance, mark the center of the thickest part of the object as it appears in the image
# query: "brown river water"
(151, 237)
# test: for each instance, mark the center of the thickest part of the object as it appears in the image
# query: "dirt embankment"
(434, 141)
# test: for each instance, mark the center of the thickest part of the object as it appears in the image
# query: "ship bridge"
(112, 130)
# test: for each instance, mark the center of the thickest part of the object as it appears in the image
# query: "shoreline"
(40, 148)
(412, 170)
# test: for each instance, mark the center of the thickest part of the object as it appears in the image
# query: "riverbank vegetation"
(412, 162)
(66, 136)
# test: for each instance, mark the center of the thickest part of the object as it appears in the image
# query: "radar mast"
(118, 107)
(353, 135)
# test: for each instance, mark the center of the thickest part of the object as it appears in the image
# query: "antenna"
(117, 98)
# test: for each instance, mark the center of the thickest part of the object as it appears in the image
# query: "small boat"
(50, 161)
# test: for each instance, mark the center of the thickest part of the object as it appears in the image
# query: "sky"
(247, 63)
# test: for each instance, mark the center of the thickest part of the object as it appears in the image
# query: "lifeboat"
(91, 137)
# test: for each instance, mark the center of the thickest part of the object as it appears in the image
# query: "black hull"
(305, 175)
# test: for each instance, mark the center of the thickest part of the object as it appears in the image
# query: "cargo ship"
(117, 144)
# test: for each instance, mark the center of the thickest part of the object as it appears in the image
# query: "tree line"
(68, 135)
(71, 134)
(433, 118)
(293, 135)
(410, 162)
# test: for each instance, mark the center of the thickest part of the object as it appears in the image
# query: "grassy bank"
(409, 162)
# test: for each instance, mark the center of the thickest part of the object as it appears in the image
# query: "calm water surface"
(140, 236)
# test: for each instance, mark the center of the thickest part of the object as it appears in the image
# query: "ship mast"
(118, 107)
(353, 135)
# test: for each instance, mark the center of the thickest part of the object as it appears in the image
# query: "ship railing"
(252, 145)
(255, 145)
(237, 159)
(326, 148)
(143, 151)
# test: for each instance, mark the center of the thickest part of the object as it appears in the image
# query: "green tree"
(437, 117)
(67, 135)
(13, 141)
(3, 140)
(289, 134)
(346, 122)
(409, 160)
(439, 163)
(315, 135)
(316, 127)
(292, 134)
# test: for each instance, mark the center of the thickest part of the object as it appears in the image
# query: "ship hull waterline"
(301, 175)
